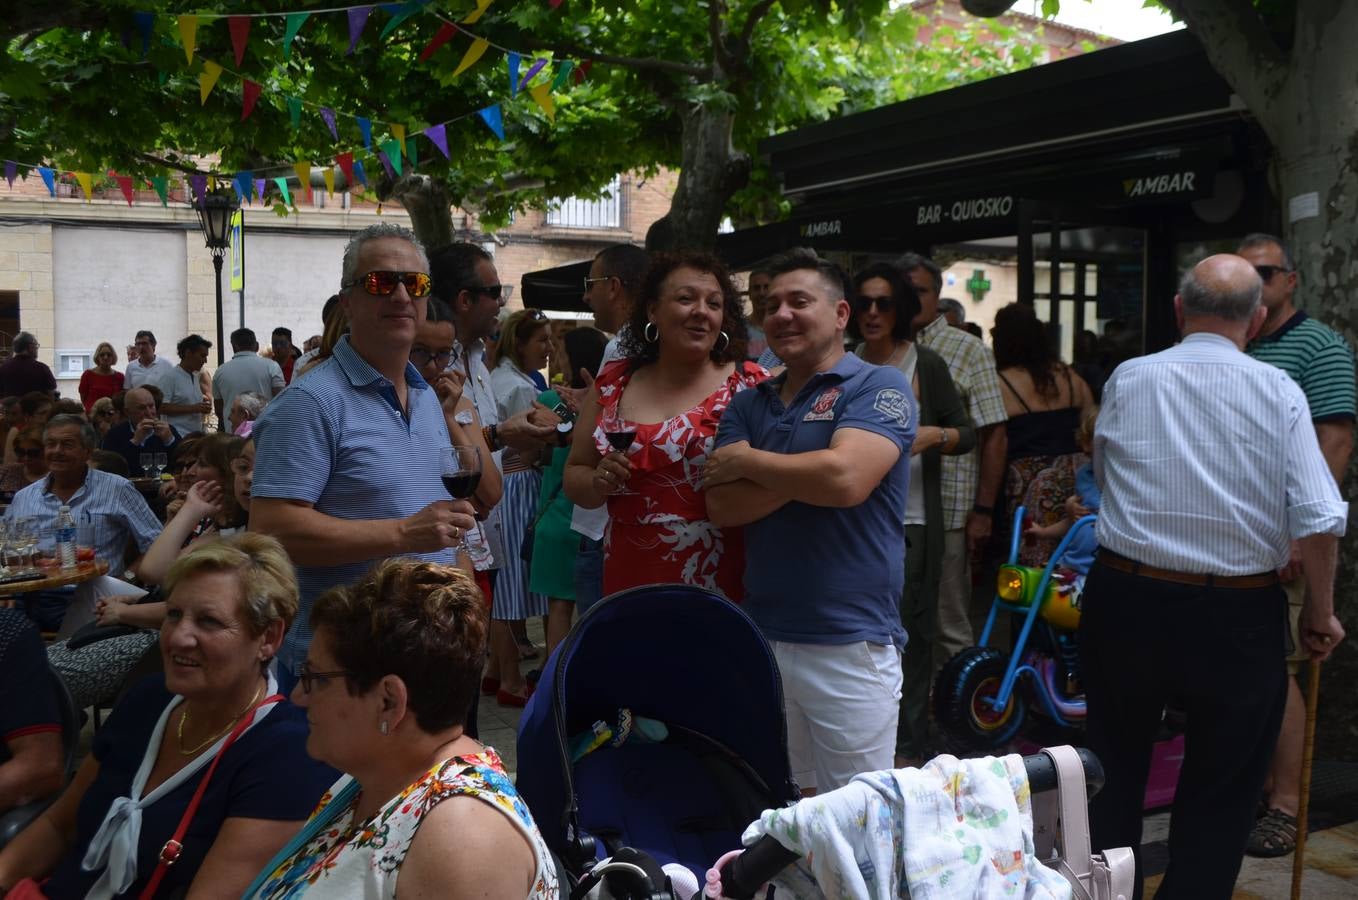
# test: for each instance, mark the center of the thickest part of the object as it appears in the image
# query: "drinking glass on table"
(162, 462)
(460, 470)
(147, 460)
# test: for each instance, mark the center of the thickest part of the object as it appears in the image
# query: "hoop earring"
(725, 342)
(650, 333)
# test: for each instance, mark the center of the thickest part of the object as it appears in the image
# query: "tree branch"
(1239, 46)
(643, 64)
(722, 61)
(757, 12)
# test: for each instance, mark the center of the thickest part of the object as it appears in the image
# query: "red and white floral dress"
(658, 529)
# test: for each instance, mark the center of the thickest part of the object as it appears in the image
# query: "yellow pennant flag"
(86, 184)
(542, 93)
(399, 132)
(471, 56)
(303, 170)
(481, 7)
(329, 181)
(207, 80)
(188, 34)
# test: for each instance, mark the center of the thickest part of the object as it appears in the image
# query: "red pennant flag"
(582, 70)
(249, 94)
(346, 164)
(445, 34)
(125, 184)
(240, 35)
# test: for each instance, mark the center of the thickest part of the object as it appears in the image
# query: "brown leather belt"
(1132, 567)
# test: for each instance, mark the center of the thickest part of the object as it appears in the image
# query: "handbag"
(529, 533)
(1110, 875)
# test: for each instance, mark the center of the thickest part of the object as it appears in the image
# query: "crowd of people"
(349, 539)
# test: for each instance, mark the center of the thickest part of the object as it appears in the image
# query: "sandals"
(1275, 834)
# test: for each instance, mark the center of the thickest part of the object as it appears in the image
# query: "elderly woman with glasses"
(102, 379)
(392, 667)
(214, 716)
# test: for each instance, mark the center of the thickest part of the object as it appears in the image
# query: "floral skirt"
(1041, 485)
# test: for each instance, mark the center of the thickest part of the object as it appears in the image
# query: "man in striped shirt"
(1210, 469)
(1322, 363)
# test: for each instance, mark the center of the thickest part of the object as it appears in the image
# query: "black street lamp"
(214, 214)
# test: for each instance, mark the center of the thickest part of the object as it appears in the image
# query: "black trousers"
(1221, 653)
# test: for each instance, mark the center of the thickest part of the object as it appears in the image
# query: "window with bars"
(572, 212)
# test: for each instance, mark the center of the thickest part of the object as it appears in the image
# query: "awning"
(560, 288)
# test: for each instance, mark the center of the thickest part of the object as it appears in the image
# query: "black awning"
(561, 288)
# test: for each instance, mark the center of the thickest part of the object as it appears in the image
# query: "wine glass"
(162, 462)
(620, 439)
(460, 470)
(147, 460)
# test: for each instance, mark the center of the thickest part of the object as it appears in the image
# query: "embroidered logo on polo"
(823, 410)
(893, 404)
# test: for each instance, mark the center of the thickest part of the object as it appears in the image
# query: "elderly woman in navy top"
(229, 604)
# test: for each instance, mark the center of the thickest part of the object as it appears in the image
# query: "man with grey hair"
(108, 510)
(245, 408)
(1210, 469)
(347, 465)
(953, 311)
(24, 373)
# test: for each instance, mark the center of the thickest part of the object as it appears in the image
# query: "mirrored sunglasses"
(382, 283)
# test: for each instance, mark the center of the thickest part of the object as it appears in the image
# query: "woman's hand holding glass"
(612, 473)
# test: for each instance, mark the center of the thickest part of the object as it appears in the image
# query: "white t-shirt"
(181, 387)
(137, 374)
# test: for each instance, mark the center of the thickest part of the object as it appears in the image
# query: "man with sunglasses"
(1322, 363)
(347, 459)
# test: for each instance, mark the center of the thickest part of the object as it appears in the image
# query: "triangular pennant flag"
(535, 68)
(542, 93)
(248, 95)
(346, 163)
(11, 170)
(303, 170)
(473, 53)
(259, 189)
(329, 176)
(86, 182)
(125, 185)
(188, 34)
(365, 126)
(399, 132)
(481, 7)
(283, 189)
(413, 154)
(295, 22)
(144, 21)
(49, 178)
(512, 60)
(161, 185)
(563, 72)
(393, 152)
(244, 183)
(582, 70)
(329, 116)
(443, 36)
(359, 174)
(358, 19)
(439, 135)
(240, 35)
(553, 3)
(386, 164)
(207, 80)
(198, 182)
(399, 13)
(295, 112)
(494, 120)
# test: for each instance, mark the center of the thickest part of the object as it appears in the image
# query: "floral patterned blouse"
(345, 860)
(658, 528)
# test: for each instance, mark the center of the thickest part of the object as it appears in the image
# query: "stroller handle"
(742, 876)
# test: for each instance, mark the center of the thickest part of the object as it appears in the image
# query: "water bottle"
(66, 538)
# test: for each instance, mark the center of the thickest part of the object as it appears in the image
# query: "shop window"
(573, 212)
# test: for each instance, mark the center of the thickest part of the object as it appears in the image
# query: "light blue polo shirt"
(106, 503)
(817, 574)
(338, 440)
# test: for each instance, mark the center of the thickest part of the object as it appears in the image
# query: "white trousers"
(841, 702)
(87, 595)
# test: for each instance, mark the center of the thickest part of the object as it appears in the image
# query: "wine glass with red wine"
(460, 470)
(621, 441)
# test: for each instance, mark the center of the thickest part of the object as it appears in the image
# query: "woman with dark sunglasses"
(32, 464)
(885, 304)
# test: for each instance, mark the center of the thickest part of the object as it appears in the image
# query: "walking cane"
(1304, 801)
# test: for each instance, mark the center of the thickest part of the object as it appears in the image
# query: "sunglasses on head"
(383, 283)
(590, 282)
(535, 315)
(862, 303)
(1266, 273)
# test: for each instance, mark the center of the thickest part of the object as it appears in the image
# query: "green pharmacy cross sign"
(978, 285)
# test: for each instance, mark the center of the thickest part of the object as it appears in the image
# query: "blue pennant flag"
(365, 126)
(491, 116)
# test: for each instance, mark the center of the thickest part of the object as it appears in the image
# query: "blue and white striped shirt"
(106, 503)
(1209, 463)
(338, 440)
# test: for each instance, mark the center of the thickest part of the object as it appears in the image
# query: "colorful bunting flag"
(11, 170)
(481, 7)
(582, 70)
(346, 163)
(359, 173)
(473, 53)
(303, 170)
(86, 182)
(494, 120)
(399, 132)
(329, 116)
(125, 185)
(443, 36)
(295, 22)
(563, 72)
(553, 3)
(248, 95)
(49, 178)
(512, 60)
(391, 157)
(399, 13)
(144, 21)
(295, 112)
(244, 183)
(240, 35)
(365, 126)
(259, 189)
(199, 184)
(542, 93)
(358, 20)
(207, 80)
(329, 176)
(188, 35)
(283, 189)
(161, 185)
(438, 134)
(535, 68)
(413, 154)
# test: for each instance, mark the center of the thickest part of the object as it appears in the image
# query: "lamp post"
(214, 214)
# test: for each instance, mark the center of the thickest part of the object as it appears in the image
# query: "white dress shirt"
(1209, 463)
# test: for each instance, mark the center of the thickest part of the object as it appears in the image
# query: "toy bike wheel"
(965, 685)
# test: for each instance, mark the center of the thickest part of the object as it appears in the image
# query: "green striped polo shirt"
(1319, 360)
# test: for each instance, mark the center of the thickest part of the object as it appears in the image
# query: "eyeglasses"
(308, 678)
(863, 303)
(421, 357)
(1266, 273)
(383, 283)
(495, 292)
(589, 282)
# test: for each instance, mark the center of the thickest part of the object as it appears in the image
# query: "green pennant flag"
(412, 153)
(393, 150)
(283, 189)
(295, 112)
(405, 11)
(563, 72)
(162, 187)
(161, 76)
(295, 22)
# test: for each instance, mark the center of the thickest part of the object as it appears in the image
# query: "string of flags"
(392, 153)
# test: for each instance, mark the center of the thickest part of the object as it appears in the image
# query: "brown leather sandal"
(1275, 834)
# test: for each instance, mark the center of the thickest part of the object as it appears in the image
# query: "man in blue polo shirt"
(815, 465)
(347, 459)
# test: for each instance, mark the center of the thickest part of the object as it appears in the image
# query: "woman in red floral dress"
(683, 360)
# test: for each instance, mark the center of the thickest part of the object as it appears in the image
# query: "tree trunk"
(711, 172)
(426, 200)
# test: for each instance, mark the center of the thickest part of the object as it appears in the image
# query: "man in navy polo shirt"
(815, 465)
(347, 459)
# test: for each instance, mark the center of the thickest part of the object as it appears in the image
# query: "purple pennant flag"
(329, 116)
(259, 188)
(12, 169)
(491, 116)
(439, 135)
(49, 178)
(358, 18)
(533, 70)
(365, 126)
(198, 182)
(360, 175)
(386, 164)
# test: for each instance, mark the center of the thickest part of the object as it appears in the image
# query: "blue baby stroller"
(657, 725)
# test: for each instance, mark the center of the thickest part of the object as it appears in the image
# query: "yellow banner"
(329, 181)
(207, 79)
(542, 93)
(303, 170)
(188, 34)
(399, 132)
(86, 184)
(481, 7)
(473, 53)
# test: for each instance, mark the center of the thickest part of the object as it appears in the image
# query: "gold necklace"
(212, 740)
